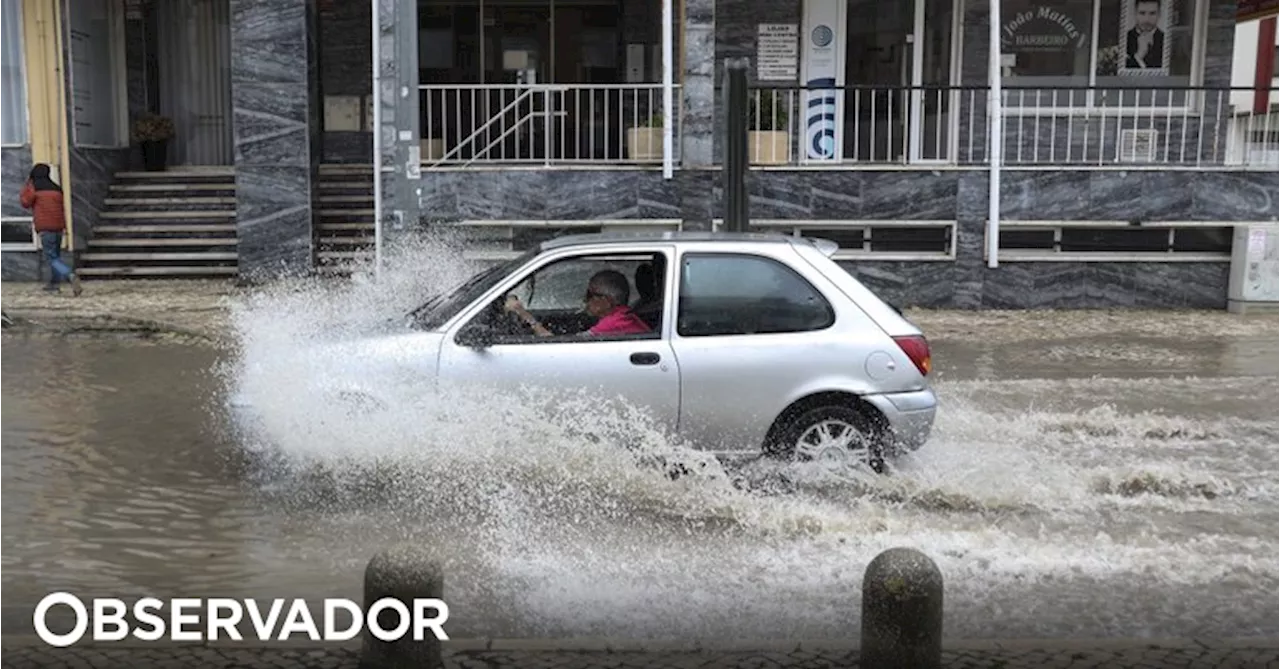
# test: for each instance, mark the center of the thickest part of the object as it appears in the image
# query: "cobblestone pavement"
(199, 307)
(1241, 654)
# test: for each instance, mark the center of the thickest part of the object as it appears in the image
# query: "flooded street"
(1086, 487)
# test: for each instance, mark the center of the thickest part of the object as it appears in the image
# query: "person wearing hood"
(44, 198)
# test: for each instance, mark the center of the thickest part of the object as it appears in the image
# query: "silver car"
(751, 344)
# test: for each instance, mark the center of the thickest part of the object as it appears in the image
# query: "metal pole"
(376, 100)
(996, 130)
(668, 89)
(735, 144)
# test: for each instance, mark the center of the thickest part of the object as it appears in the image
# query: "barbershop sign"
(1042, 29)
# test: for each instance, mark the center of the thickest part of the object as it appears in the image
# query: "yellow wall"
(42, 43)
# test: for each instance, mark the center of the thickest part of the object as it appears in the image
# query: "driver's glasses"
(590, 294)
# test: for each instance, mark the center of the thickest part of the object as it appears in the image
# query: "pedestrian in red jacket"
(44, 198)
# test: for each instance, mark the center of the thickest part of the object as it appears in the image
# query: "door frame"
(914, 123)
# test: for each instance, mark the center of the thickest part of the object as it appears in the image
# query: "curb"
(603, 645)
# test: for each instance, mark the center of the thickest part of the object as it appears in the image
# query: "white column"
(668, 89)
(995, 127)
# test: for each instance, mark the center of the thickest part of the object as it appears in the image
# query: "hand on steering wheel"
(516, 313)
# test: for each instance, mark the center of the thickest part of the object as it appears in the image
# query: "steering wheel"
(514, 323)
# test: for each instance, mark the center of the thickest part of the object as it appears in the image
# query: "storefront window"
(97, 84)
(13, 88)
(1055, 45)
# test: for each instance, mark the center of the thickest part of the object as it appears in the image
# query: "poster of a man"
(1146, 47)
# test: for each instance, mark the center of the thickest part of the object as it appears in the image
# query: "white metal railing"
(544, 124)
(1095, 126)
(863, 124)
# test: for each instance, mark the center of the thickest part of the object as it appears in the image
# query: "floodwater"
(1079, 488)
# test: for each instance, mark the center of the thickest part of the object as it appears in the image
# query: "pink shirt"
(619, 321)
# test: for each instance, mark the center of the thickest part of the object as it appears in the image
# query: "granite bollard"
(902, 611)
(405, 572)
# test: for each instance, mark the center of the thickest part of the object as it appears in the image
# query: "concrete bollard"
(902, 611)
(405, 573)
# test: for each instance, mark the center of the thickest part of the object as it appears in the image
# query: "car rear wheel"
(832, 434)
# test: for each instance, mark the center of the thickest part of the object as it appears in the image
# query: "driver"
(607, 296)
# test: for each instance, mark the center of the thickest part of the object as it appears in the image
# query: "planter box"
(768, 147)
(432, 149)
(644, 144)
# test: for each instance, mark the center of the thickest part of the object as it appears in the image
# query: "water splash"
(568, 516)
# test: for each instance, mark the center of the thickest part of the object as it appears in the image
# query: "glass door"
(898, 65)
(878, 59)
(931, 78)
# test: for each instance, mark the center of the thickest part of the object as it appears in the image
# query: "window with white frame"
(1099, 53)
(13, 88)
(98, 86)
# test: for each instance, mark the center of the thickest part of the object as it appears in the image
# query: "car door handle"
(645, 358)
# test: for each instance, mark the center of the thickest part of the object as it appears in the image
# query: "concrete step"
(164, 241)
(345, 212)
(328, 226)
(92, 257)
(162, 228)
(116, 272)
(346, 199)
(167, 201)
(347, 241)
(169, 215)
(171, 187)
(194, 172)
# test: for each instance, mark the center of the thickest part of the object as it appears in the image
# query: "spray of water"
(570, 518)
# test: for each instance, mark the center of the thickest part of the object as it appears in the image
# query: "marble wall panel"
(15, 165)
(272, 95)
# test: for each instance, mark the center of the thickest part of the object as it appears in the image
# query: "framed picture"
(1144, 38)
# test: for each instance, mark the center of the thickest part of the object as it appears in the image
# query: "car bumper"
(909, 415)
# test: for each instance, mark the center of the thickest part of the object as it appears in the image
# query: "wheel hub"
(834, 442)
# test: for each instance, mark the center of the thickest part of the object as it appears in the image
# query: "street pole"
(376, 101)
(735, 144)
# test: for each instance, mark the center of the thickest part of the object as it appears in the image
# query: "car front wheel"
(833, 434)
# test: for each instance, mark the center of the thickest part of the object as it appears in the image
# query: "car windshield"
(441, 307)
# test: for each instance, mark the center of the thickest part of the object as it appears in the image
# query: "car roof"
(679, 237)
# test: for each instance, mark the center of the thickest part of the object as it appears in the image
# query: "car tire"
(802, 438)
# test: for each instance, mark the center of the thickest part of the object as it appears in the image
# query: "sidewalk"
(198, 308)
(539, 654)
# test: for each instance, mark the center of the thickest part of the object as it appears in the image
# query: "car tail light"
(917, 348)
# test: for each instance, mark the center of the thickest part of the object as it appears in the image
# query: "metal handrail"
(485, 126)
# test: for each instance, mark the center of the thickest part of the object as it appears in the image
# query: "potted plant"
(644, 142)
(768, 138)
(153, 132)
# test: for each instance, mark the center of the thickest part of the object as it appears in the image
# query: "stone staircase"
(171, 224)
(344, 219)
(182, 223)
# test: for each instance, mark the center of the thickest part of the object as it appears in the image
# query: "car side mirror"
(476, 337)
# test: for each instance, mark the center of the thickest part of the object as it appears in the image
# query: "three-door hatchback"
(740, 344)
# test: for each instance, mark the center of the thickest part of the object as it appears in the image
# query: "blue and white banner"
(822, 64)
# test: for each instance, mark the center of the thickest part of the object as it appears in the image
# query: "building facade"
(1126, 158)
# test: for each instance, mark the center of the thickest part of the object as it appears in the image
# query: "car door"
(639, 370)
(750, 332)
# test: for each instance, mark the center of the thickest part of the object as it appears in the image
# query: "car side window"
(555, 294)
(724, 294)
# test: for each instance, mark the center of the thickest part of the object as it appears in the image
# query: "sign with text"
(1044, 28)
(777, 52)
(823, 65)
